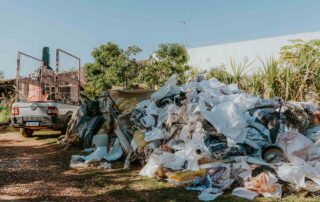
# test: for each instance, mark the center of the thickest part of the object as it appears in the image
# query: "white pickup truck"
(31, 116)
(45, 98)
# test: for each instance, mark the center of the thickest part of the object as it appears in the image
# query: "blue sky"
(80, 25)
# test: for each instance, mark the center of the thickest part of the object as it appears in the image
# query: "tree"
(112, 66)
(115, 66)
(128, 70)
(169, 59)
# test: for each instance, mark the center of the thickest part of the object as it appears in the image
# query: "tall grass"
(255, 84)
(270, 74)
(291, 82)
(239, 69)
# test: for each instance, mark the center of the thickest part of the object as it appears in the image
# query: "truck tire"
(66, 124)
(25, 132)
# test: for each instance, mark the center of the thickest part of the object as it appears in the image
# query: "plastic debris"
(265, 184)
(185, 176)
(105, 165)
(244, 193)
(208, 136)
(228, 119)
(188, 127)
(100, 153)
(100, 140)
(207, 196)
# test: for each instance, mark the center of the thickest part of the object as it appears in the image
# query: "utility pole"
(185, 31)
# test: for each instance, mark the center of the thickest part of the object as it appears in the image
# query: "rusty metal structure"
(35, 77)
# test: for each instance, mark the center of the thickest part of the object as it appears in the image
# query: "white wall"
(215, 55)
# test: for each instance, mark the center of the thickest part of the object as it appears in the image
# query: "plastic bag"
(241, 168)
(174, 161)
(100, 140)
(154, 134)
(228, 119)
(102, 153)
(169, 88)
(293, 174)
(314, 134)
(151, 167)
(244, 193)
(210, 85)
(295, 144)
(264, 184)
(195, 148)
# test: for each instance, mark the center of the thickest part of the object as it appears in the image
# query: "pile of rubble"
(211, 137)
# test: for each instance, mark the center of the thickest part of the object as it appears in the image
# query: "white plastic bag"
(174, 161)
(154, 134)
(295, 144)
(169, 88)
(293, 174)
(152, 165)
(228, 119)
(244, 193)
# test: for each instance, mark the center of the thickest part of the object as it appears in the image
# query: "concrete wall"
(216, 55)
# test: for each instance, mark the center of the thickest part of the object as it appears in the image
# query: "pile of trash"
(103, 127)
(212, 137)
(207, 136)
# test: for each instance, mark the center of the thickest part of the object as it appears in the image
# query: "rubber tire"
(25, 132)
(65, 126)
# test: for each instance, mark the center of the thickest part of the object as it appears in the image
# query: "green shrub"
(4, 115)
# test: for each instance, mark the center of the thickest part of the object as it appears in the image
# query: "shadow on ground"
(35, 170)
(44, 137)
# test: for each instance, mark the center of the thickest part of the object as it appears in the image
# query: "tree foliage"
(112, 66)
(169, 59)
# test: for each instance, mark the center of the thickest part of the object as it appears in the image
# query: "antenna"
(185, 31)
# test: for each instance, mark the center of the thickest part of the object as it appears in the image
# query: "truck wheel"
(25, 132)
(65, 126)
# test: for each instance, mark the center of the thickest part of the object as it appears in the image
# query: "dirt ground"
(37, 169)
